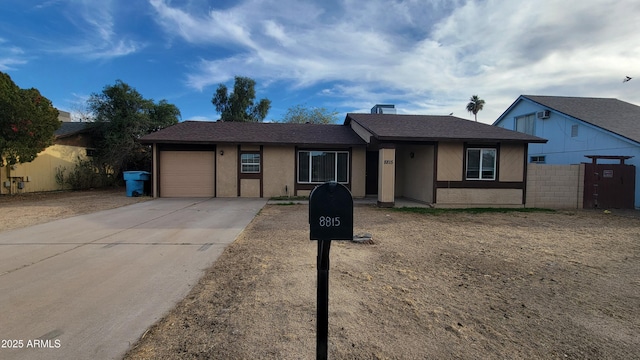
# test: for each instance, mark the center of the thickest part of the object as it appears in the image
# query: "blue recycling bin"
(135, 182)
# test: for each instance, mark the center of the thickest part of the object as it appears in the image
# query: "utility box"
(135, 182)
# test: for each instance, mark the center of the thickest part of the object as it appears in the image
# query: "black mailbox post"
(330, 218)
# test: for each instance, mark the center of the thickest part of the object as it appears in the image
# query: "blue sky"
(424, 56)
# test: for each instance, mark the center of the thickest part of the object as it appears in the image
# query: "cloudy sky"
(424, 56)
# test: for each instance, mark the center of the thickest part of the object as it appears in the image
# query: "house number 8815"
(328, 221)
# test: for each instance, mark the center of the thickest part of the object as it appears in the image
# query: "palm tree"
(475, 104)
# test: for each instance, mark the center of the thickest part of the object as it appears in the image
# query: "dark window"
(538, 159)
(526, 124)
(342, 167)
(322, 166)
(481, 164)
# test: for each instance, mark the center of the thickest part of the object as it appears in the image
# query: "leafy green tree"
(28, 121)
(475, 105)
(122, 116)
(239, 105)
(300, 114)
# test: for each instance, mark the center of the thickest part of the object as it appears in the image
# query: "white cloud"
(10, 56)
(47, 4)
(202, 118)
(94, 51)
(277, 31)
(98, 37)
(429, 56)
(7, 63)
(214, 27)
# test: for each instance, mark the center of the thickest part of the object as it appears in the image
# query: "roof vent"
(544, 114)
(383, 109)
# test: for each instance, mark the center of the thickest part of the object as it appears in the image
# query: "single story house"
(73, 141)
(583, 130)
(228, 159)
(440, 160)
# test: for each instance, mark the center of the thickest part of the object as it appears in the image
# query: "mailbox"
(330, 218)
(331, 212)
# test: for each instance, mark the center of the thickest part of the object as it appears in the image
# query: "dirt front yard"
(562, 285)
(36, 208)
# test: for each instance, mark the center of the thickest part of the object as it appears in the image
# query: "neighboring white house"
(577, 127)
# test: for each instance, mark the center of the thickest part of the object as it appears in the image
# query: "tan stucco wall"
(358, 172)
(303, 192)
(279, 170)
(386, 175)
(555, 186)
(479, 198)
(414, 175)
(227, 171)
(40, 174)
(511, 165)
(450, 160)
(250, 187)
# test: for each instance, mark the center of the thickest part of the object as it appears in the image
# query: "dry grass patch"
(459, 285)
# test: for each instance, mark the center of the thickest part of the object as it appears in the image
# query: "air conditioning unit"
(544, 114)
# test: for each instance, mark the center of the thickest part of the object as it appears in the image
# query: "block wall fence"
(555, 186)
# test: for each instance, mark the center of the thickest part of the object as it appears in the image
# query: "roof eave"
(86, 130)
(500, 118)
(457, 139)
(275, 143)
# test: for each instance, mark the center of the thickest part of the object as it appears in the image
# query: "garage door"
(187, 173)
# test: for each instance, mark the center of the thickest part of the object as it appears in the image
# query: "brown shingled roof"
(393, 127)
(72, 128)
(207, 132)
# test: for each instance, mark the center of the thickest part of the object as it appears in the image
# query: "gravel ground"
(35, 208)
(458, 286)
(561, 285)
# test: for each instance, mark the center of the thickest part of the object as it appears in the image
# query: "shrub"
(85, 175)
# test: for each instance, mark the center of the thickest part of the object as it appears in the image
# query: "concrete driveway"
(87, 287)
